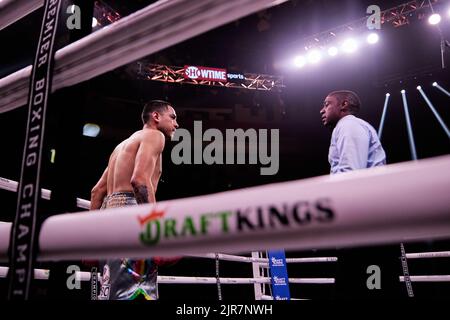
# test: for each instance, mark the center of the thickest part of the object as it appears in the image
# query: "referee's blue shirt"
(354, 145)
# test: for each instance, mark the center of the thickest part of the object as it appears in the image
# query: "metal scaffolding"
(105, 14)
(171, 74)
(397, 16)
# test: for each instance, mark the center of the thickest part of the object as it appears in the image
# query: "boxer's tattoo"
(141, 193)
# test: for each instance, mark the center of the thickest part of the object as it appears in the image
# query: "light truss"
(397, 16)
(142, 33)
(173, 74)
(104, 14)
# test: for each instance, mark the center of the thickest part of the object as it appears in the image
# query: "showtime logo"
(192, 72)
(203, 73)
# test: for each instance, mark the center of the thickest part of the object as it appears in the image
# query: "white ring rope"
(149, 30)
(39, 274)
(434, 278)
(43, 274)
(13, 10)
(266, 297)
(422, 255)
(10, 185)
(356, 210)
(228, 257)
(213, 280)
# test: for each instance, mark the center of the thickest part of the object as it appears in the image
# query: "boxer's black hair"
(152, 106)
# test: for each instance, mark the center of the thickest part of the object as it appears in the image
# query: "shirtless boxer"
(131, 178)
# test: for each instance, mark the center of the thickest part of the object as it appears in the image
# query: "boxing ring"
(315, 213)
(227, 221)
(323, 214)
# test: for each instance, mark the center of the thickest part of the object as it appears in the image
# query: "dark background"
(262, 43)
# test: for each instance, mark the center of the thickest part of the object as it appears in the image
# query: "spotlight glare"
(299, 61)
(373, 38)
(349, 45)
(419, 88)
(91, 130)
(314, 56)
(94, 22)
(388, 94)
(403, 91)
(435, 18)
(434, 84)
(332, 51)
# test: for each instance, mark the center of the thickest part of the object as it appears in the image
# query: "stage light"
(412, 144)
(332, 51)
(435, 18)
(383, 116)
(435, 84)
(94, 22)
(91, 130)
(403, 91)
(349, 45)
(314, 56)
(299, 61)
(373, 38)
(419, 88)
(436, 114)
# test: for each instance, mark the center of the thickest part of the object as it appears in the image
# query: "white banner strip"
(394, 203)
(445, 278)
(420, 255)
(228, 257)
(149, 30)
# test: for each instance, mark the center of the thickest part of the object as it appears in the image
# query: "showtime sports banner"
(205, 73)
